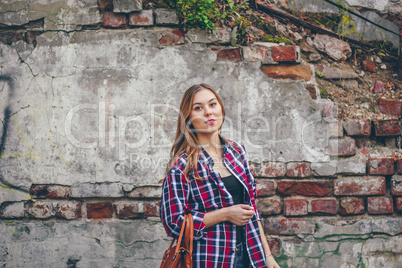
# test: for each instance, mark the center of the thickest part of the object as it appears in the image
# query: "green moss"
(282, 260)
(361, 263)
(324, 93)
(206, 14)
(259, 24)
(263, 26)
(269, 38)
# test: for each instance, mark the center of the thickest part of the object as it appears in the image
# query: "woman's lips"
(211, 122)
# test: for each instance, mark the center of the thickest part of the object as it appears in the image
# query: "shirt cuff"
(199, 225)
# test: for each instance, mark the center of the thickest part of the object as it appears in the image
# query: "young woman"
(209, 177)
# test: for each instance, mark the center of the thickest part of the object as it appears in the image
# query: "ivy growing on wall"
(207, 14)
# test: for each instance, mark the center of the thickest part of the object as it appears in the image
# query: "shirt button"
(234, 227)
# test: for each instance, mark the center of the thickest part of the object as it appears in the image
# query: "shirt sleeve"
(174, 205)
(252, 181)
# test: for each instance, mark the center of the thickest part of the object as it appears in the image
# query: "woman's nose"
(207, 111)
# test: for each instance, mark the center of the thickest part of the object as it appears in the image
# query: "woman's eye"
(197, 108)
(213, 104)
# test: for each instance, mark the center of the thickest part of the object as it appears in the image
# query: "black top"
(236, 190)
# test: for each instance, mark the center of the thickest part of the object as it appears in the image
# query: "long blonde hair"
(186, 139)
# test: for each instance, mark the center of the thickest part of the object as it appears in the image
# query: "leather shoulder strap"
(183, 228)
(189, 236)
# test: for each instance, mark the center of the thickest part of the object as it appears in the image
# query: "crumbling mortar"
(358, 237)
(138, 241)
(388, 185)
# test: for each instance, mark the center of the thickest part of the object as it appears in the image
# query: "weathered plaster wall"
(89, 109)
(87, 103)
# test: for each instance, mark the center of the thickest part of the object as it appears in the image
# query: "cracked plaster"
(74, 89)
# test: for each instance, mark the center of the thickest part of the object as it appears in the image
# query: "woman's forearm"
(215, 217)
(264, 241)
(237, 214)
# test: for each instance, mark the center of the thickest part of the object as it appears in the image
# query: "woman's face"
(206, 113)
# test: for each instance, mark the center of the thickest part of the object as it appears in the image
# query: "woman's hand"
(239, 214)
(271, 262)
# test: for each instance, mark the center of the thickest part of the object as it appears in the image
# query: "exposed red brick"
(387, 127)
(294, 72)
(272, 169)
(145, 192)
(255, 31)
(68, 210)
(396, 185)
(399, 166)
(378, 86)
(99, 210)
(142, 18)
(152, 208)
(41, 210)
(129, 209)
(380, 205)
(342, 147)
(298, 169)
(381, 166)
(49, 191)
(253, 168)
(172, 37)
(255, 52)
(329, 109)
(114, 20)
(306, 188)
(277, 226)
(369, 66)
(265, 188)
(323, 206)
(311, 88)
(351, 206)
(359, 186)
(294, 207)
(30, 36)
(269, 206)
(284, 53)
(105, 4)
(392, 107)
(229, 54)
(399, 204)
(274, 245)
(365, 151)
(357, 127)
(10, 37)
(12, 210)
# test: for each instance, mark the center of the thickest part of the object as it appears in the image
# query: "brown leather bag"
(180, 255)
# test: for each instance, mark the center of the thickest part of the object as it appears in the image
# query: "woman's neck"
(211, 143)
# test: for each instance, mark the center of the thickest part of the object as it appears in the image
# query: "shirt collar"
(205, 158)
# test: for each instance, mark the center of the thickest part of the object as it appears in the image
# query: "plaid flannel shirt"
(214, 246)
